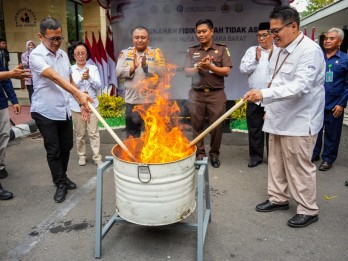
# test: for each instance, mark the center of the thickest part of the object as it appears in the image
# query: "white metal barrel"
(154, 194)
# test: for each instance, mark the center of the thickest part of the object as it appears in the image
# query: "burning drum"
(154, 194)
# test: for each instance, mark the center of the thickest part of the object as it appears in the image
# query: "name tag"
(329, 76)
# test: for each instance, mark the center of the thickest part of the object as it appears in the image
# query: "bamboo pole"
(112, 133)
(217, 122)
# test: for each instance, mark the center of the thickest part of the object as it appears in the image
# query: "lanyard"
(286, 57)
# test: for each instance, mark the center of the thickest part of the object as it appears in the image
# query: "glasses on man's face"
(54, 39)
(82, 54)
(277, 30)
(264, 35)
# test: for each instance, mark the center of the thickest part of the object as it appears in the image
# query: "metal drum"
(154, 194)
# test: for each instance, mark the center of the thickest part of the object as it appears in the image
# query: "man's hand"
(258, 53)
(143, 61)
(85, 115)
(83, 99)
(253, 95)
(16, 108)
(337, 111)
(205, 63)
(20, 73)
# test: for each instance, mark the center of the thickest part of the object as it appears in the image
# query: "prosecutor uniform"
(255, 63)
(336, 95)
(207, 97)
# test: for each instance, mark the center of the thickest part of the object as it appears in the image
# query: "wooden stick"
(217, 122)
(112, 133)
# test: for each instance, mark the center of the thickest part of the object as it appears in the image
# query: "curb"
(21, 130)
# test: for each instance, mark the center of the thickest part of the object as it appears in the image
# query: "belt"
(207, 89)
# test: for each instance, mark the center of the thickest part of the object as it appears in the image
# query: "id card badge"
(329, 76)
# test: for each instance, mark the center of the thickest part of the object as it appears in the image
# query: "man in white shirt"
(294, 116)
(255, 63)
(50, 108)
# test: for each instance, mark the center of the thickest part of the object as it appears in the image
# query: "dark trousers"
(254, 117)
(332, 134)
(58, 141)
(212, 105)
(134, 123)
(30, 89)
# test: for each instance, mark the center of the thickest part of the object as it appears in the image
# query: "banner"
(172, 28)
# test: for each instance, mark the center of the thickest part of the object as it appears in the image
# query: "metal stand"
(203, 217)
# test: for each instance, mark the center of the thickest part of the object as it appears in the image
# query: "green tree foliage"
(315, 5)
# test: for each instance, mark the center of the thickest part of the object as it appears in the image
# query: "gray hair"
(337, 30)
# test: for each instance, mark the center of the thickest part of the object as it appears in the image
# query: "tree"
(315, 5)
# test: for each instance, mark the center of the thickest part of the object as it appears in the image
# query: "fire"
(162, 140)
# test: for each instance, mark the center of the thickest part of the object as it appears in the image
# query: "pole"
(217, 122)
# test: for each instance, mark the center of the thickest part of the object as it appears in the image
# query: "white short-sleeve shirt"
(49, 99)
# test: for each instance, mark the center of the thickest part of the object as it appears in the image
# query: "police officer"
(133, 65)
(207, 64)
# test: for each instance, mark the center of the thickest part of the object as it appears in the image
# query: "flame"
(162, 140)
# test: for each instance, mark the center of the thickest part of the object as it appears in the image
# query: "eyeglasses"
(276, 31)
(54, 39)
(80, 54)
(264, 35)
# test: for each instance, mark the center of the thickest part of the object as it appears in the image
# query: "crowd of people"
(295, 104)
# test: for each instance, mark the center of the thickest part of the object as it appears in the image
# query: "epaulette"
(220, 44)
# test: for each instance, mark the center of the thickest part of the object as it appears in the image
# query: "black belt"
(207, 89)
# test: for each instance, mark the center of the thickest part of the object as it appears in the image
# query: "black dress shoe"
(254, 163)
(315, 158)
(324, 166)
(70, 185)
(3, 173)
(268, 206)
(61, 191)
(215, 162)
(301, 220)
(4, 194)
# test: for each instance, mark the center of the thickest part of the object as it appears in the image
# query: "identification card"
(329, 76)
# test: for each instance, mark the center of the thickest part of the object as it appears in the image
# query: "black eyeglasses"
(264, 35)
(54, 39)
(276, 31)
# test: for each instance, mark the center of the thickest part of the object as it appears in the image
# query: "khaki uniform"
(135, 93)
(207, 97)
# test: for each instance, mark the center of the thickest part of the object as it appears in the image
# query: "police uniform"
(135, 93)
(207, 96)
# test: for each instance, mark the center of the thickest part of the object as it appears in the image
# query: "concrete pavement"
(33, 227)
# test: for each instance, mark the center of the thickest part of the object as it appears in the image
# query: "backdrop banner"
(172, 28)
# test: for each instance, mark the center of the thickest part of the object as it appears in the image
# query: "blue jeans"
(58, 141)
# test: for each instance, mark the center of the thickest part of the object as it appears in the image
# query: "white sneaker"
(82, 161)
(98, 162)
